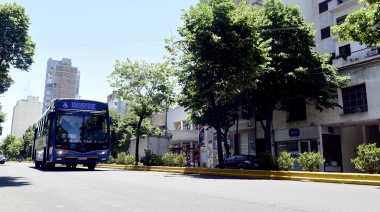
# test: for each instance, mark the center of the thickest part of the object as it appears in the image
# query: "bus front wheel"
(91, 166)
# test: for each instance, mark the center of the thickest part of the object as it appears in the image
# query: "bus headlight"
(61, 152)
(102, 152)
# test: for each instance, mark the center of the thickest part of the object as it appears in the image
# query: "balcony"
(338, 5)
(356, 57)
(180, 136)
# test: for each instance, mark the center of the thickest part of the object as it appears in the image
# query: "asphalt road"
(24, 188)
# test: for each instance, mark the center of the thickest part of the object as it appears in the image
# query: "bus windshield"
(81, 127)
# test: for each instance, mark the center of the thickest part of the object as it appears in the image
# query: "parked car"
(2, 159)
(241, 162)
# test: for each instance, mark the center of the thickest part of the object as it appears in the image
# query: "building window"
(354, 99)
(296, 110)
(342, 1)
(325, 32)
(323, 6)
(177, 126)
(341, 20)
(332, 58)
(345, 50)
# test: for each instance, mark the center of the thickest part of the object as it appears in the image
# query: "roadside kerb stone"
(346, 178)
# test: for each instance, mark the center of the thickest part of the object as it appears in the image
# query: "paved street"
(24, 188)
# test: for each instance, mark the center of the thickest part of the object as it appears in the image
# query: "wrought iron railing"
(359, 55)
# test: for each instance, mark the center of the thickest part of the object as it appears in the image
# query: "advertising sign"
(201, 135)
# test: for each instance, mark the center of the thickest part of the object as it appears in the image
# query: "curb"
(344, 178)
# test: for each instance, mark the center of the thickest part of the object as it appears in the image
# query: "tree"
(27, 142)
(220, 57)
(123, 130)
(145, 86)
(16, 46)
(363, 25)
(11, 146)
(299, 73)
(2, 118)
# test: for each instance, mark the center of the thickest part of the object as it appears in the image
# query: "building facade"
(335, 133)
(118, 105)
(62, 81)
(25, 113)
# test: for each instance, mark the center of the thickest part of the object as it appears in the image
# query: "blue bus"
(72, 132)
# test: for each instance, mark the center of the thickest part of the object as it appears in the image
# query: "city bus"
(72, 132)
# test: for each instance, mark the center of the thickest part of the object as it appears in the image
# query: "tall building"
(118, 105)
(62, 81)
(25, 113)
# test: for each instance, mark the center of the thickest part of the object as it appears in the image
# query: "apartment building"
(62, 81)
(335, 133)
(117, 104)
(25, 113)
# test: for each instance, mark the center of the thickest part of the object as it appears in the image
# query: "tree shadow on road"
(13, 181)
(202, 176)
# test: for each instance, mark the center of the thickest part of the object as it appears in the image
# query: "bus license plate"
(82, 158)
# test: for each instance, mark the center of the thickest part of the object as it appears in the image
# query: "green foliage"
(168, 159)
(17, 47)
(309, 161)
(27, 142)
(285, 161)
(2, 117)
(146, 87)
(130, 160)
(267, 161)
(121, 158)
(111, 160)
(28, 159)
(362, 25)
(151, 159)
(295, 71)
(123, 129)
(219, 58)
(171, 159)
(11, 146)
(368, 159)
(180, 160)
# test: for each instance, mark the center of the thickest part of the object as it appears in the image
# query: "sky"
(93, 34)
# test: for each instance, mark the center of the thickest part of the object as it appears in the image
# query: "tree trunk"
(220, 148)
(225, 138)
(268, 128)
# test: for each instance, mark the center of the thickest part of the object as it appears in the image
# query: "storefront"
(296, 141)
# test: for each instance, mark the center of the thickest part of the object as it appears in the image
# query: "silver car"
(2, 159)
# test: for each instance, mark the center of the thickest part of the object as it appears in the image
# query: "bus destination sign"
(78, 105)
